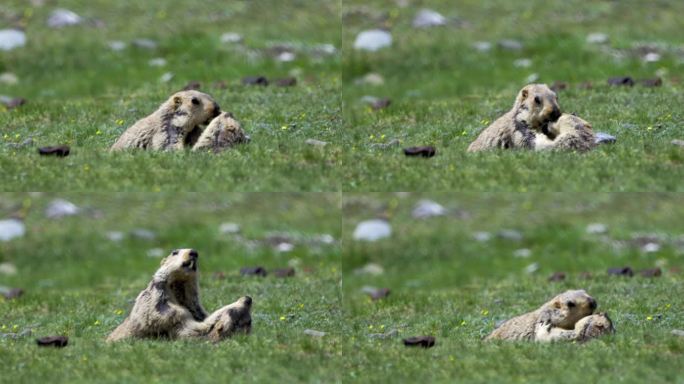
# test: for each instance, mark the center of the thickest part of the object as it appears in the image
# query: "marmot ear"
(557, 304)
(177, 101)
(523, 94)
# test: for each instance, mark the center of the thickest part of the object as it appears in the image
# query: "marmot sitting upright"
(563, 311)
(223, 132)
(169, 126)
(587, 328)
(535, 106)
(170, 307)
(568, 133)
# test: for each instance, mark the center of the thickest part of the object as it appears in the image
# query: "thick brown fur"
(170, 125)
(563, 311)
(170, 306)
(222, 133)
(535, 106)
(587, 328)
(569, 133)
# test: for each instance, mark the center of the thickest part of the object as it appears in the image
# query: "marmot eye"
(175, 252)
(195, 101)
(537, 100)
(570, 304)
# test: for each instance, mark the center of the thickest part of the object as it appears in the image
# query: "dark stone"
(623, 271)
(653, 272)
(655, 82)
(253, 271)
(557, 276)
(559, 86)
(381, 104)
(57, 150)
(621, 81)
(284, 272)
(14, 103)
(255, 80)
(379, 293)
(53, 341)
(420, 341)
(286, 82)
(427, 151)
(12, 293)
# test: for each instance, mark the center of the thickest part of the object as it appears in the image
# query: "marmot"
(170, 125)
(563, 311)
(223, 132)
(170, 306)
(535, 106)
(568, 133)
(587, 328)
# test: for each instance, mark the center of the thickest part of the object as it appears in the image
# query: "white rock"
(117, 45)
(373, 40)
(284, 247)
(428, 18)
(372, 230)
(370, 79)
(63, 17)
(227, 228)
(144, 234)
(482, 236)
(328, 49)
(510, 234)
(325, 239)
(60, 208)
(651, 247)
(532, 78)
(115, 236)
(678, 332)
(316, 143)
(144, 43)
(155, 252)
(523, 63)
(426, 208)
(314, 333)
(532, 268)
(165, 78)
(370, 269)
(510, 44)
(522, 253)
(8, 269)
(11, 228)
(286, 57)
(231, 37)
(11, 38)
(597, 228)
(597, 38)
(157, 62)
(9, 78)
(482, 46)
(651, 57)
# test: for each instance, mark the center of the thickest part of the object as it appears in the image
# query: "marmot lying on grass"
(563, 311)
(568, 133)
(170, 306)
(170, 125)
(535, 106)
(223, 132)
(587, 328)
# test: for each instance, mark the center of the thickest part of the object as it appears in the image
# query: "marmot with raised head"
(223, 132)
(535, 106)
(568, 133)
(170, 306)
(170, 125)
(586, 328)
(563, 311)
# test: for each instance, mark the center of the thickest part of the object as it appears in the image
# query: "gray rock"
(115, 236)
(231, 38)
(482, 236)
(510, 45)
(510, 234)
(117, 45)
(9, 78)
(532, 268)
(11, 228)
(372, 230)
(370, 79)
(427, 18)
(482, 46)
(597, 228)
(650, 247)
(143, 234)
(678, 332)
(522, 253)
(651, 57)
(371, 269)
(286, 57)
(157, 62)
(597, 38)
(63, 18)
(522, 63)
(8, 269)
(229, 228)
(11, 38)
(425, 209)
(144, 44)
(314, 333)
(59, 208)
(373, 40)
(316, 143)
(155, 253)
(604, 138)
(284, 246)
(678, 142)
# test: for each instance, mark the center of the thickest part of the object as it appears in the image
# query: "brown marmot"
(568, 133)
(170, 306)
(587, 328)
(535, 106)
(223, 132)
(563, 311)
(170, 125)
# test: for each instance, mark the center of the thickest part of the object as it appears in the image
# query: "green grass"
(80, 284)
(445, 283)
(444, 92)
(83, 94)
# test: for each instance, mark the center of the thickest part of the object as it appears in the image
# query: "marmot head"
(536, 105)
(236, 318)
(192, 108)
(229, 130)
(594, 326)
(568, 307)
(180, 265)
(567, 123)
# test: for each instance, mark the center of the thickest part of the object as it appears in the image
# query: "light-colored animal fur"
(568, 133)
(587, 328)
(535, 106)
(223, 132)
(169, 127)
(170, 306)
(563, 311)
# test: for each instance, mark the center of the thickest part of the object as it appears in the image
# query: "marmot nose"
(193, 254)
(248, 301)
(592, 304)
(217, 109)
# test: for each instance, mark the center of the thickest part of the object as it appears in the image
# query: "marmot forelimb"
(535, 106)
(563, 311)
(587, 328)
(169, 126)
